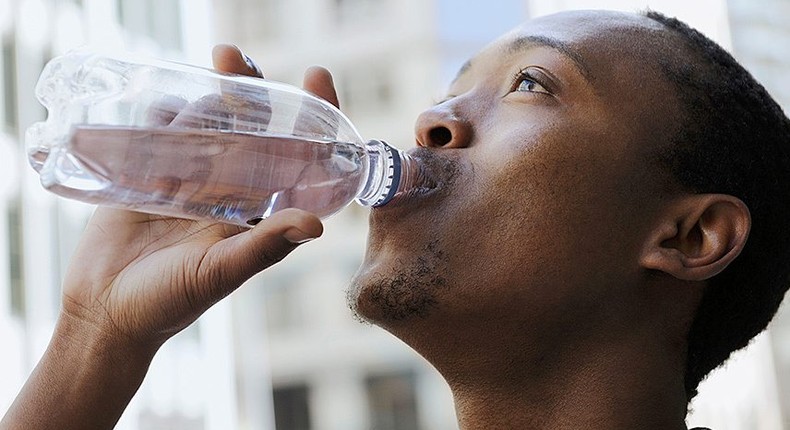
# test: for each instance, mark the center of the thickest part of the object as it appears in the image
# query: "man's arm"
(84, 380)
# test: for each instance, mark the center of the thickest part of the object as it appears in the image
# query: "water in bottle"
(182, 141)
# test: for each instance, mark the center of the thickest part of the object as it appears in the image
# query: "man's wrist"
(85, 379)
(99, 344)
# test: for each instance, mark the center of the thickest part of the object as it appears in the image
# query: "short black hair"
(733, 139)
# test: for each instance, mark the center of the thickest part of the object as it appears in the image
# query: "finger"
(235, 259)
(318, 81)
(162, 112)
(234, 108)
(229, 58)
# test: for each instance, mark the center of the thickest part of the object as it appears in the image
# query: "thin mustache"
(441, 169)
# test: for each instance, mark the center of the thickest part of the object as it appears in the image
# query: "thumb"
(239, 257)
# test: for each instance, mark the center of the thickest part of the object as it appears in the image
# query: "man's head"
(735, 140)
(599, 175)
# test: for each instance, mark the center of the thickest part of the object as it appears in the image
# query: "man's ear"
(697, 237)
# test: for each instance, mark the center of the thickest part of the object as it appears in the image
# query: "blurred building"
(285, 350)
(38, 231)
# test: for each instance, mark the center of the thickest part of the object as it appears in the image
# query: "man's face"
(542, 152)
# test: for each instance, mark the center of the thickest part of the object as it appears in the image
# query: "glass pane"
(393, 404)
(15, 258)
(9, 85)
(291, 408)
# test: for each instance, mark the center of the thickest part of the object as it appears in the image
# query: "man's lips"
(435, 175)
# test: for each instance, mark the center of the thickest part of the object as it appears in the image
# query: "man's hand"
(142, 278)
(145, 277)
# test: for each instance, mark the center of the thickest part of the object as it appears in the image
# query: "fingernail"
(296, 236)
(251, 64)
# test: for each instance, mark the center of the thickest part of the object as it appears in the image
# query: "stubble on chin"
(405, 291)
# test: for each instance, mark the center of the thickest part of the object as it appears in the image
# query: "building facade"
(39, 231)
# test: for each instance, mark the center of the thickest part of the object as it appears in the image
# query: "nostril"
(440, 136)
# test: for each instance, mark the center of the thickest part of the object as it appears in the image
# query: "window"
(15, 258)
(291, 408)
(9, 85)
(392, 400)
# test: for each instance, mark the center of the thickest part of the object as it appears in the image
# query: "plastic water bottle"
(178, 140)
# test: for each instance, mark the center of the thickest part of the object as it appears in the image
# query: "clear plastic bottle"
(178, 140)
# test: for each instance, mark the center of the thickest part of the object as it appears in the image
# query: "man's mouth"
(434, 176)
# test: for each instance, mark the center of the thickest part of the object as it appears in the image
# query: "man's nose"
(441, 127)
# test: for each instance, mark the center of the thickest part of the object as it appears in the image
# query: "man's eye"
(526, 83)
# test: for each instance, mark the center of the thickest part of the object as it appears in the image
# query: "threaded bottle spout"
(391, 173)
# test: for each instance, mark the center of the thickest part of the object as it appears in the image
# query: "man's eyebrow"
(466, 66)
(525, 42)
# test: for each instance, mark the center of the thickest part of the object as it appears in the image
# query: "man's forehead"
(588, 38)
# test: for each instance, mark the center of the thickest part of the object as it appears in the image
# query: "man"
(610, 224)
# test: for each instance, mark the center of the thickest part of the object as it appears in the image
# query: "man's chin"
(389, 300)
(388, 293)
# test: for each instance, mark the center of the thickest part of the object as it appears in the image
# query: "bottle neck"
(391, 172)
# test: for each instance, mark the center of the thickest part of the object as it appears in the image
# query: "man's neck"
(614, 389)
